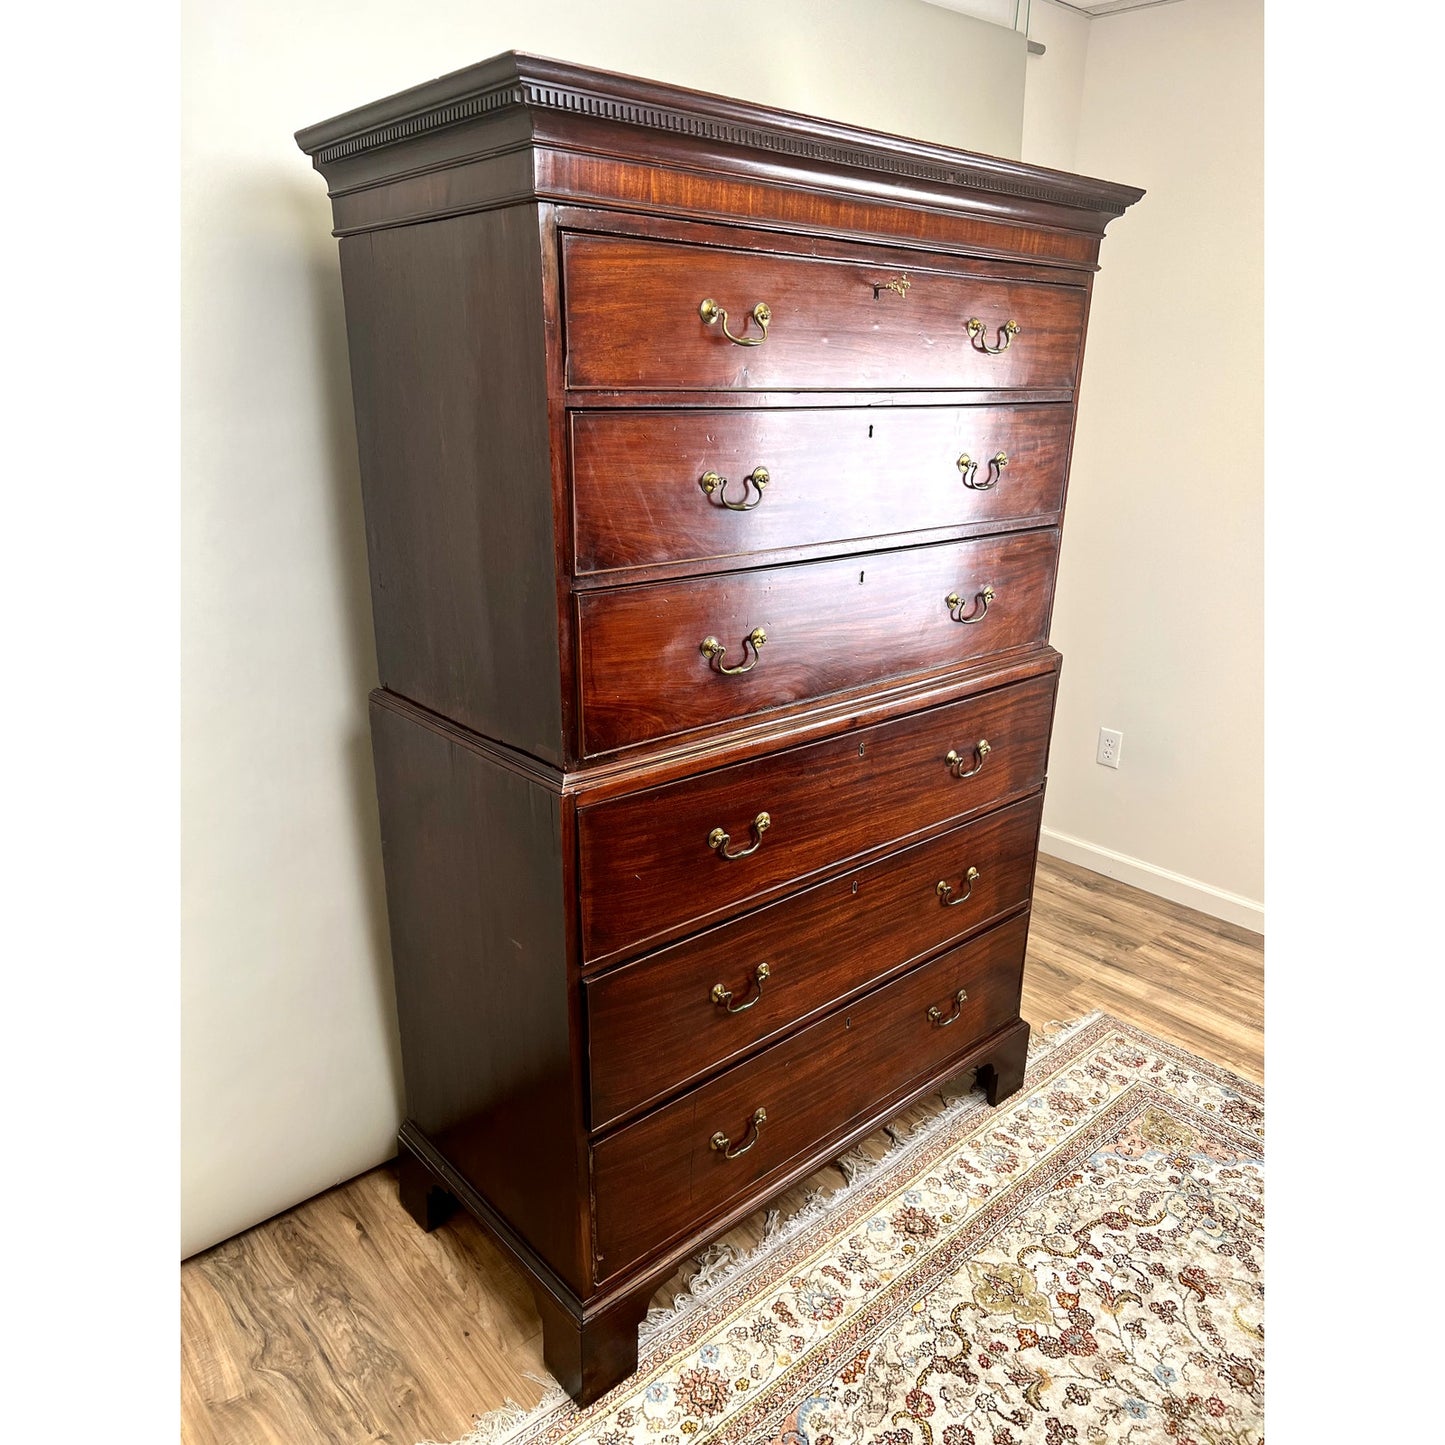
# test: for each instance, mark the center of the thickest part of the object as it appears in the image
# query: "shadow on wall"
(331, 367)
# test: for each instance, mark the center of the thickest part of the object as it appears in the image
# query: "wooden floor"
(341, 1322)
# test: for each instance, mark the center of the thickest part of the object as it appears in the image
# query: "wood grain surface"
(827, 627)
(881, 785)
(656, 1024)
(633, 319)
(659, 1177)
(834, 476)
(447, 337)
(476, 860)
(340, 1322)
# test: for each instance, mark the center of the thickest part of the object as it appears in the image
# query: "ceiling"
(1014, 13)
(1110, 7)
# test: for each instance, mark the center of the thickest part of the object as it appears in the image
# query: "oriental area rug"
(1081, 1264)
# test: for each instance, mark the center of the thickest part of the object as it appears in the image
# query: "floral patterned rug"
(1081, 1264)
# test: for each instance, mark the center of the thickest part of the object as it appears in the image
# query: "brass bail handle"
(935, 1014)
(978, 333)
(724, 1145)
(714, 651)
(714, 315)
(718, 840)
(944, 889)
(969, 468)
(981, 749)
(723, 997)
(711, 482)
(981, 599)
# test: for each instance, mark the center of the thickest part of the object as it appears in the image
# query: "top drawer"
(634, 317)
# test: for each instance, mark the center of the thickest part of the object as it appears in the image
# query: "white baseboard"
(1217, 902)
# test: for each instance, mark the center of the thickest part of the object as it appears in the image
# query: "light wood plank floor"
(340, 1322)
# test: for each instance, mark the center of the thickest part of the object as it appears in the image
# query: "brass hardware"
(900, 284)
(723, 1144)
(969, 468)
(981, 749)
(935, 1014)
(981, 601)
(762, 313)
(711, 483)
(976, 331)
(945, 890)
(714, 651)
(718, 841)
(723, 997)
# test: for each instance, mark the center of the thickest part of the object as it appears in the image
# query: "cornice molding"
(514, 81)
(437, 118)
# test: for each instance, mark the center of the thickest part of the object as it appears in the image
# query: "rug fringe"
(496, 1425)
(855, 1164)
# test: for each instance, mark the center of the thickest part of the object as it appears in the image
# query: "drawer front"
(661, 1176)
(650, 658)
(673, 1016)
(680, 486)
(649, 872)
(634, 320)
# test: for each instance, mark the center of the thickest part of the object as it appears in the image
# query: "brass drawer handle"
(969, 468)
(981, 601)
(935, 1014)
(981, 749)
(723, 997)
(762, 313)
(711, 483)
(977, 330)
(714, 651)
(945, 890)
(718, 841)
(723, 1144)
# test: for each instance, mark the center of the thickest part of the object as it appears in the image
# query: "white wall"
(290, 1071)
(1054, 89)
(1160, 604)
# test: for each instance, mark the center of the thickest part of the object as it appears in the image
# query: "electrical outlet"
(1111, 744)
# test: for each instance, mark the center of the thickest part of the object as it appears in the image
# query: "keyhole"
(847, 1023)
(860, 579)
(855, 885)
(861, 746)
(870, 433)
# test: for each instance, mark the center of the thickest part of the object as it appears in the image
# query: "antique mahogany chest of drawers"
(713, 462)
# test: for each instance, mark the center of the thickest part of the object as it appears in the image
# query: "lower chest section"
(777, 953)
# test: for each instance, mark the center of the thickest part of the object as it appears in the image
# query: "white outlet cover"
(1111, 746)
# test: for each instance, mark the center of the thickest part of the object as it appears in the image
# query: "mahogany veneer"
(890, 914)
(827, 626)
(833, 475)
(713, 640)
(631, 321)
(829, 803)
(656, 1176)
